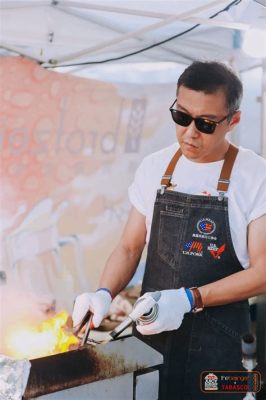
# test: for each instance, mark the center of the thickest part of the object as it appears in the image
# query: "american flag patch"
(193, 245)
(206, 226)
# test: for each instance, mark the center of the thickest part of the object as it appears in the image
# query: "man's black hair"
(211, 76)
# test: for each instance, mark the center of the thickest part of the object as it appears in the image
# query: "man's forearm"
(239, 286)
(120, 268)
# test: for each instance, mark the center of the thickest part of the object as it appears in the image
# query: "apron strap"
(224, 180)
(166, 178)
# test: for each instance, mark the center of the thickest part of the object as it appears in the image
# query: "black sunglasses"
(203, 125)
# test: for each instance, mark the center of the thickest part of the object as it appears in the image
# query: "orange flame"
(48, 338)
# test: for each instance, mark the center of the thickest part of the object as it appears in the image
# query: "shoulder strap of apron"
(166, 178)
(224, 180)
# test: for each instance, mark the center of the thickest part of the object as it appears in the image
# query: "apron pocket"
(231, 320)
(170, 232)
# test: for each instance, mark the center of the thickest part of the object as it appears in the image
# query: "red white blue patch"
(216, 251)
(206, 226)
(193, 248)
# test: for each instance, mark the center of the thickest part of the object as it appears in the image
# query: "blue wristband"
(106, 290)
(190, 297)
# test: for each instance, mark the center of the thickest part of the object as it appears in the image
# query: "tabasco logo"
(211, 382)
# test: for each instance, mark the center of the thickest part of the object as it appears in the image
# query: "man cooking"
(200, 205)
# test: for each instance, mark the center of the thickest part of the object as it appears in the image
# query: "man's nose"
(191, 131)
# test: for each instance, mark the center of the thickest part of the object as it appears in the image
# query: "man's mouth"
(190, 145)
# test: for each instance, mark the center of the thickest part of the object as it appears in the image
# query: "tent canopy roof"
(67, 32)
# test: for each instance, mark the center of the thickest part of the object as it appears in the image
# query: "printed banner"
(69, 150)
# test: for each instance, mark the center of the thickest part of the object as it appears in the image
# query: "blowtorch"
(145, 311)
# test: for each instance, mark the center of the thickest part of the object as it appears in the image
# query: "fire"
(48, 338)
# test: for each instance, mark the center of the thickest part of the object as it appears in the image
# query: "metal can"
(148, 317)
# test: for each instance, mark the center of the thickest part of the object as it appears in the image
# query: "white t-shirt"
(246, 194)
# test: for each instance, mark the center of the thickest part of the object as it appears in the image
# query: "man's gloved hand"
(173, 304)
(98, 302)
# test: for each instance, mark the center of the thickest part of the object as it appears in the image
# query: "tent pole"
(133, 34)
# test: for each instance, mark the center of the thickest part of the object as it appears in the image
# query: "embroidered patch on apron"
(193, 248)
(216, 251)
(205, 227)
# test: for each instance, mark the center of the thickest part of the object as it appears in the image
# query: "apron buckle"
(163, 187)
(221, 195)
(222, 187)
(165, 182)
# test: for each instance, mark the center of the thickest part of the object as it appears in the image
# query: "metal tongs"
(86, 320)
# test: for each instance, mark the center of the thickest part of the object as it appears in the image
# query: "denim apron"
(191, 245)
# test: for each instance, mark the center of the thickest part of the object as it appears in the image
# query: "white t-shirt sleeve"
(135, 191)
(251, 176)
(258, 206)
(142, 192)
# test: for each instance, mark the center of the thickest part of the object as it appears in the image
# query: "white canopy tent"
(71, 32)
(120, 40)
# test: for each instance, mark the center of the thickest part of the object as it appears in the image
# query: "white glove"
(98, 302)
(173, 304)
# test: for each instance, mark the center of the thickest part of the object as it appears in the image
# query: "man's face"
(198, 146)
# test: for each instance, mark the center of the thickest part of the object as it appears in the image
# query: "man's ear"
(235, 120)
